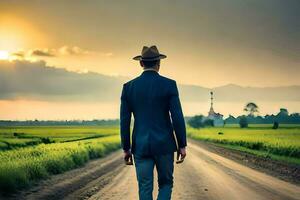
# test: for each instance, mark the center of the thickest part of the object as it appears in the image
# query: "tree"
(275, 125)
(243, 122)
(231, 120)
(196, 121)
(251, 108)
(208, 122)
(283, 112)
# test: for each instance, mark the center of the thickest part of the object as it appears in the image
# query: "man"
(154, 102)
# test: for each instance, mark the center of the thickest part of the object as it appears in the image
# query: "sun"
(4, 55)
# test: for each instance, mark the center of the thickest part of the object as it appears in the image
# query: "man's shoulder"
(167, 80)
(130, 81)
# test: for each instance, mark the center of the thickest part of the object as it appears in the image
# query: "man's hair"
(150, 64)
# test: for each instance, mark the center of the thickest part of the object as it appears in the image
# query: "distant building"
(216, 117)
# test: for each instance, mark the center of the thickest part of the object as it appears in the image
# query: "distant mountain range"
(23, 79)
(232, 92)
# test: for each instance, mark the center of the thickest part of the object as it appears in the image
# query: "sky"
(208, 43)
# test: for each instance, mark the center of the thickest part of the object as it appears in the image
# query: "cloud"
(22, 79)
(43, 52)
(108, 54)
(18, 54)
(75, 50)
(57, 52)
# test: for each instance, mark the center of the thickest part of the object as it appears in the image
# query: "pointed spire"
(211, 110)
(211, 99)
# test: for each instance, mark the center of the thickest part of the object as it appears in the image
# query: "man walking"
(154, 102)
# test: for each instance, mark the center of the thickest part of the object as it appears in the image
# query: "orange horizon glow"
(20, 109)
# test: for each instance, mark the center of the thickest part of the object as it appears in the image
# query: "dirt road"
(203, 175)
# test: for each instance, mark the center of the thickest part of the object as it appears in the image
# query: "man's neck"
(150, 69)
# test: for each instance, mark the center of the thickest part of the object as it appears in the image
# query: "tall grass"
(20, 168)
(282, 142)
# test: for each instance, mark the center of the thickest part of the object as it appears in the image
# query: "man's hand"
(181, 153)
(128, 157)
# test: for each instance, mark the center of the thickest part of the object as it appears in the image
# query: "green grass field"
(30, 154)
(12, 137)
(258, 139)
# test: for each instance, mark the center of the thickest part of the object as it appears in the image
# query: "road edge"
(95, 174)
(284, 171)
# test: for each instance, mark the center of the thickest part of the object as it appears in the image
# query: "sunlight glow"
(17, 32)
(4, 55)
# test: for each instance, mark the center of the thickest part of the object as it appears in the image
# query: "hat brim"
(161, 56)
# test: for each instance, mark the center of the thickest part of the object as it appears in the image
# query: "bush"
(199, 121)
(208, 122)
(196, 121)
(275, 125)
(18, 134)
(243, 122)
(46, 140)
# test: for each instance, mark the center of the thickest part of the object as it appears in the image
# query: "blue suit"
(154, 102)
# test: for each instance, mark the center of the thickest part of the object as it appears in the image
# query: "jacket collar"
(149, 71)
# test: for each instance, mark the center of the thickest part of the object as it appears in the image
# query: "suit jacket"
(154, 102)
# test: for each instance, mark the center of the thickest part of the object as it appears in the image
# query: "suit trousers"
(144, 166)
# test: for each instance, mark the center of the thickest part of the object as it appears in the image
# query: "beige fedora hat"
(150, 54)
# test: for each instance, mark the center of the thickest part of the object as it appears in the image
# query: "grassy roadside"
(262, 154)
(22, 167)
(281, 145)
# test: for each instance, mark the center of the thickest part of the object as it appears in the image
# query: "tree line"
(251, 117)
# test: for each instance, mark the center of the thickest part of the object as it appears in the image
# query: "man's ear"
(141, 63)
(158, 65)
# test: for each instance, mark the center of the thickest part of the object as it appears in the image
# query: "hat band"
(150, 57)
